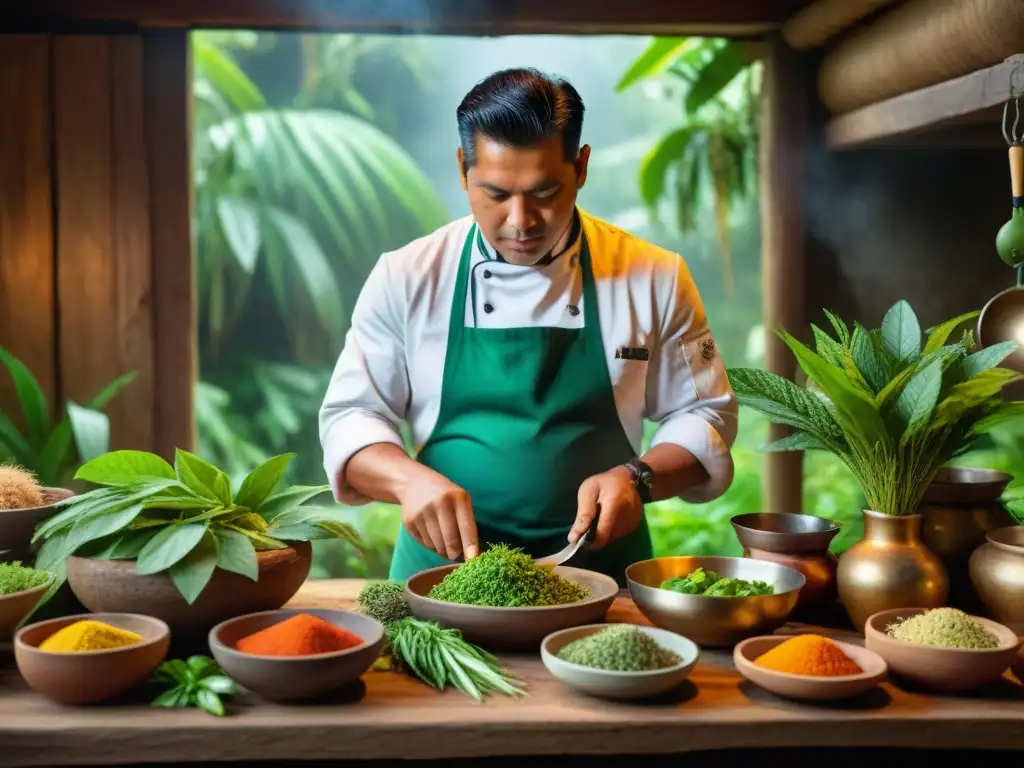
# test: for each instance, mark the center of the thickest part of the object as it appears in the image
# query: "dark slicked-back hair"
(520, 108)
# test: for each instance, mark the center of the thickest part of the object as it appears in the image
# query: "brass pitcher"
(890, 568)
(997, 573)
(960, 506)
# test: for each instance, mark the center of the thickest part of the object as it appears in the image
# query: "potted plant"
(37, 460)
(179, 544)
(894, 410)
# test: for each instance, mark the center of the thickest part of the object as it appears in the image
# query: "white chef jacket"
(392, 364)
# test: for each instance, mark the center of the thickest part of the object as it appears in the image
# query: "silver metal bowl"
(784, 532)
(714, 621)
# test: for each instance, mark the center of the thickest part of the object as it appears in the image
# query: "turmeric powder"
(812, 655)
(88, 635)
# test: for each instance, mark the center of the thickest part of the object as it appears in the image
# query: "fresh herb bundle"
(15, 577)
(184, 520)
(894, 410)
(198, 682)
(384, 601)
(509, 578)
(710, 584)
(440, 656)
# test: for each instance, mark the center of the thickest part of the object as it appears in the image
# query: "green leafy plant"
(894, 410)
(185, 520)
(198, 682)
(51, 450)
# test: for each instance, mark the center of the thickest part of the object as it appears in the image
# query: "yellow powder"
(88, 635)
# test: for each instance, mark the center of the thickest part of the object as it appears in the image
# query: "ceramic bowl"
(714, 621)
(511, 628)
(293, 678)
(808, 687)
(15, 607)
(941, 669)
(18, 525)
(619, 685)
(92, 676)
(114, 586)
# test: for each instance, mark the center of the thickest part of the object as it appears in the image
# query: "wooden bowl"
(114, 586)
(941, 669)
(511, 628)
(808, 687)
(293, 678)
(611, 684)
(18, 525)
(91, 676)
(15, 606)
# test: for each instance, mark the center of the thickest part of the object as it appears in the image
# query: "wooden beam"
(783, 148)
(822, 20)
(964, 99)
(168, 125)
(471, 17)
(26, 215)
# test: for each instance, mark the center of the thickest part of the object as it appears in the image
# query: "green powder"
(943, 627)
(619, 648)
(15, 577)
(508, 578)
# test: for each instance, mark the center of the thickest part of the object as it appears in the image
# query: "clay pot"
(113, 586)
(997, 574)
(18, 525)
(959, 508)
(890, 568)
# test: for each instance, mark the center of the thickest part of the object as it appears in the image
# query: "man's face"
(523, 198)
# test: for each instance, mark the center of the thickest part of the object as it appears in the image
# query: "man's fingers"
(435, 537)
(609, 509)
(467, 527)
(585, 510)
(446, 518)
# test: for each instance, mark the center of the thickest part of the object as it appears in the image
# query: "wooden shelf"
(956, 112)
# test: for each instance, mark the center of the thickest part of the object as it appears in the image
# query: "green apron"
(527, 414)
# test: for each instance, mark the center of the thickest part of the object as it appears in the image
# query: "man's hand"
(613, 495)
(439, 515)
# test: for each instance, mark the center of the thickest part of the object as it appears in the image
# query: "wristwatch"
(643, 479)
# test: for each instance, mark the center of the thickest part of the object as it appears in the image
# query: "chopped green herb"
(196, 682)
(710, 584)
(15, 577)
(619, 648)
(506, 577)
(384, 601)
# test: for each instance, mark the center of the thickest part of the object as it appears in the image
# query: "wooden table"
(396, 717)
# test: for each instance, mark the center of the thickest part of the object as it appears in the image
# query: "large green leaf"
(192, 573)
(30, 396)
(829, 349)
(901, 332)
(226, 77)
(654, 167)
(261, 482)
(967, 395)
(289, 499)
(240, 223)
(236, 553)
(798, 441)
(90, 429)
(712, 78)
(656, 58)
(169, 545)
(202, 477)
(871, 365)
(917, 402)
(783, 401)
(988, 358)
(124, 468)
(840, 327)
(15, 445)
(87, 529)
(938, 336)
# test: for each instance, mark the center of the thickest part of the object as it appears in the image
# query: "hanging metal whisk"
(1010, 129)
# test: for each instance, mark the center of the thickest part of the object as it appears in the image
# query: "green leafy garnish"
(198, 682)
(15, 577)
(710, 584)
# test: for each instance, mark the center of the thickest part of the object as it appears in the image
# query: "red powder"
(301, 635)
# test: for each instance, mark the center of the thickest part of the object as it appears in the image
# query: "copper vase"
(890, 568)
(997, 573)
(960, 506)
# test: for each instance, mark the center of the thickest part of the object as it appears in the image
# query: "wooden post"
(783, 148)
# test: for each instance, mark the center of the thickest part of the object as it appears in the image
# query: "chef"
(525, 345)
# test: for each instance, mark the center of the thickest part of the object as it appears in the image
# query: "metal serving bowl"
(784, 532)
(714, 621)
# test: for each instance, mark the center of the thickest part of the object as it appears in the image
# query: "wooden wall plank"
(86, 277)
(27, 327)
(167, 72)
(132, 413)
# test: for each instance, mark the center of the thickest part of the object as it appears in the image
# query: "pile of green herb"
(710, 584)
(506, 577)
(945, 628)
(15, 577)
(619, 648)
(436, 655)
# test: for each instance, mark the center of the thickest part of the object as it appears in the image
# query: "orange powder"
(301, 635)
(809, 655)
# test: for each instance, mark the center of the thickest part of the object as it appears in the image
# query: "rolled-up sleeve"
(688, 391)
(369, 389)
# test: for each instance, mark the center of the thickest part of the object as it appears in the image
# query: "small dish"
(808, 687)
(15, 606)
(941, 669)
(608, 684)
(90, 677)
(293, 678)
(511, 628)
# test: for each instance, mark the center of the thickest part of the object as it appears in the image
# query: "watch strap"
(643, 479)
